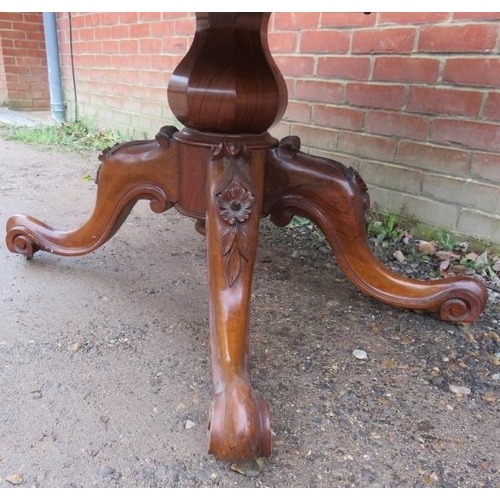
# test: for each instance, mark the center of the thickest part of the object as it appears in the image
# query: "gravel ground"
(105, 372)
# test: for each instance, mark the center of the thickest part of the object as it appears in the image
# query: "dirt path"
(104, 360)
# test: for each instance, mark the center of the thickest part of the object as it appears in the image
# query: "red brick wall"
(23, 78)
(123, 62)
(412, 100)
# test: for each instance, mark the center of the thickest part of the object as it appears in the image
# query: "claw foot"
(239, 429)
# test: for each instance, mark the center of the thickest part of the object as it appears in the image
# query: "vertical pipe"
(55, 83)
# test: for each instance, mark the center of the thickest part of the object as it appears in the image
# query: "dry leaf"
(428, 247)
(251, 468)
(446, 255)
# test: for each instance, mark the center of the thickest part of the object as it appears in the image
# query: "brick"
(295, 65)
(149, 16)
(367, 146)
(32, 45)
(470, 71)
(352, 68)
(102, 32)
(12, 16)
(338, 117)
(319, 91)
(185, 26)
(120, 31)
(295, 20)
(412, 17)
(19, 70)
(13, 34)
(397, 124)
(163, 62)
(391, 176)
(315, 137)
(406, 69)
(32, 17)
(139, 30)
(175, 45)
(174, 15)
(28, 27)
(395, 40)
(298, 112)
(282, 42)
(459, 16)
(434, 158)
(103, 60)
(485, 166)
(150, 45)
(110, 19)
(445, 101)
(110, 47)
(492, 108)
(128, 46)
(434, 213)
(346, 19)
(163, 28)
(463, 38)
(375, 95)
(462, 192)
(128, 17)
(473, 134)
(479, 225)
(325, 41)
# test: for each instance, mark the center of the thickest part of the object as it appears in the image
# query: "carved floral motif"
(235, 204)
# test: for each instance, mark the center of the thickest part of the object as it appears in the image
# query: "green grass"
(77, 136)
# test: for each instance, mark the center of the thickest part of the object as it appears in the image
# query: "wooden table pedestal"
(225, 171)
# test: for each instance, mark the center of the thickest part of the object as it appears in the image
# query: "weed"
(385, 228)
(445, 240)
(76, 136)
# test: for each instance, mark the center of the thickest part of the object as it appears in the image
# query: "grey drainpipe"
(55, 83)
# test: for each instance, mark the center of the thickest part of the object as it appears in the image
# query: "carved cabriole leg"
(128, 173)
(239, 427)
(336, 198)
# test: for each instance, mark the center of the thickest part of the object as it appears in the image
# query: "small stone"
(189, 424)
(36, 394)
(15, 479)
(74, 347)
(495, 376)
(399, 256)
(459, 389)
(359, 354)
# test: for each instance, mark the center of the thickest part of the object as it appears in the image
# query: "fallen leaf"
(489, 397)
(251, 468)
(428, 247)
(458, 270)
(482, 260)
(446, 255)
(390, 363)
(444, 266)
